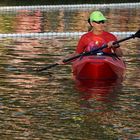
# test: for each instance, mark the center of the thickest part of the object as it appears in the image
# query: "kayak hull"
(98, 67)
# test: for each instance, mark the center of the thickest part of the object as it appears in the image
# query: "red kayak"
(98, 67)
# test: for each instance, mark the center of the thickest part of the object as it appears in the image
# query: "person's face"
(98, 26)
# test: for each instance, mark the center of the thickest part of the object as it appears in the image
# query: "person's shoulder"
(105, 33)
(108, 33)
(87, 34)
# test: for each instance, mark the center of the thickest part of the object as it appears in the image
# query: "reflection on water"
(49, 104)
(98, 91)
(66, 20)
(28, 21)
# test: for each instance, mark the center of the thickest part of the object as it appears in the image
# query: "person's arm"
(79, 49)
(116, 48)
(81, 45)
(119, 52)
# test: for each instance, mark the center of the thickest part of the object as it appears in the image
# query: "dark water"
(54, 2)
(50, 104)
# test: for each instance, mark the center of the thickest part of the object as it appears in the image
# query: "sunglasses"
(99, 22)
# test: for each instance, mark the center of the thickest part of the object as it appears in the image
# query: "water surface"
(50, 104)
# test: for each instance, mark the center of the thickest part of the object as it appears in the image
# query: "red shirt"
(90, 41)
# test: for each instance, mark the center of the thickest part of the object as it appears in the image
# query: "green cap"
(96, 16)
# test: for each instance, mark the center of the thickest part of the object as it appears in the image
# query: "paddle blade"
(137, 34)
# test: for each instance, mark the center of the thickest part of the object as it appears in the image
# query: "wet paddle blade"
(137, 34)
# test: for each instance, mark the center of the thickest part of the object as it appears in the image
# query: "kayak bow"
(98, 67)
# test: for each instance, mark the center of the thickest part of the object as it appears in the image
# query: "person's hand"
(110, 45)
(68, 56)
(60, 62)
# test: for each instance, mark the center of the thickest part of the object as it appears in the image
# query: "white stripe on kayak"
(56, 34)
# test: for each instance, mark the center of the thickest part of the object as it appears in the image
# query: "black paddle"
(137, 34)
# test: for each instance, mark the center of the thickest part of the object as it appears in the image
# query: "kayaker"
(97, 36)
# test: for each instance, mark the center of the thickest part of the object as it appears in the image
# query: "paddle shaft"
(137, 34)
(96, 50)
(72, 58)
(124, 39)
(48, 67)
(84, 53)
